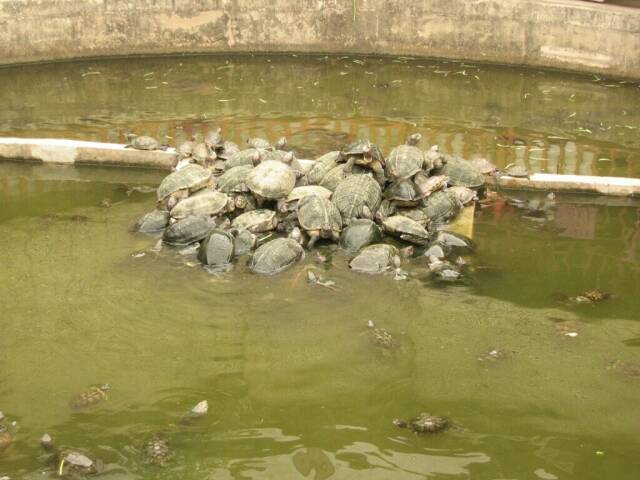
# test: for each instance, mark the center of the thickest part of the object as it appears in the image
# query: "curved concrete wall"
(564, 34)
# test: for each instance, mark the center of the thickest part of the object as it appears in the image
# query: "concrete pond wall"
(562, 34)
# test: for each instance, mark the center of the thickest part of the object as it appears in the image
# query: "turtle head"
(288, 158)
(326, 229)
(414, 139)
(281, 143)
(240, 202)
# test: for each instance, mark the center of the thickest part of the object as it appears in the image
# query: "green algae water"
(295, 387)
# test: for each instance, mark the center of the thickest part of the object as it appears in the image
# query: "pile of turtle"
(263, 201)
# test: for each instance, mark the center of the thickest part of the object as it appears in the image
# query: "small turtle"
(434, 158)
(271, 180)
(443, 270)
(319, 218)
(188, 230)
(406, 229)
(428, 185)
(424, 423)
(314, 279)
(376, 259)
(380, 337)
(406, 160)
(77, 462)
(591, 296)
(198, 411)
(90, 397)
(143, 142)
(357, 196)
(243, 202)
(403, 193)
(440, 207)
(358, 234)
(249, 157)
(157, 451)
(202, 155)
(153, 222)
(484, 166)
(628, 368)
(322, 166)
(256, 221)
(181, 183)
(46, 442)
(461, 173)
(257, 142)
(363, 152)
(228, 149)
(217, 250)
(276, 256)
(437, 251)
(234, 180)
(494, 354)
(415, 214)
(205, 202)
(185, 149)
(517, 171)
(463, 194)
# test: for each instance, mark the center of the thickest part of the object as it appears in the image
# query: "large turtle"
(320, 218)
(153, 222)
(250, 157)
(188, 230)
(363, 152)
(406, 229)
(440, 207)
(234, 180)
(217, 250)
(143, 142)
(90, 397)
(424, 423)
(461, 173)
(358, 234)
(256, 221)
(334, 176)
(428, 185)
(205, 202)
(323, 165)
(180, 183)
(276, 256)
(403, 193)
(271, 180)
(357, 196)
(406, 160)
(376, 259)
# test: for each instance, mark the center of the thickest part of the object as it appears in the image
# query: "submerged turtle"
(357, 196)
(406, 229)
(454, 240)
(628, 368)
(380, 337)
(90, 397)
(205, 202)
(157, 451)
(217, 250)
(271, 180)
(376, 259)
(180, 183)
(234, 180)
(256, 221)
(424, 423)
(153, 222)
(143, 142)
(461, 173)
(276, 256)
(403, 193)
(358, 234)
(319, 218)
(440, 207)
(406, 160)
(591, 296)
(427, 185)
(323, 165)
(188, 230)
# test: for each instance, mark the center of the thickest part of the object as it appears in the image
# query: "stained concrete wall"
(565, 34)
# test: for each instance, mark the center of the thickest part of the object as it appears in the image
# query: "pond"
(295, 387)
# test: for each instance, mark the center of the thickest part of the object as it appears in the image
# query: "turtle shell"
(404, 162)
(272, 180)
(227, 149)
(201, 153)
(299, 193)
(358, 234)
(153, 222)
(415, 214)
(157, 450)
(357, 196)
(463, 194)
(234, 180)
(403, 192)
(256, 221)
(191, 178)
(188, 230)
(317, 213)
(425, 423)
(276, 256)
(145, 143)
(323, 165)
(217, 250)
(334, 176)
(249, 157)
(406, 229)
(517, 171)
(185, 149)
(461, 173)
(77, 462)
(258, 142)
(374, 259)
(205, 202)
(440, 206)
(484, 166)
(359, 148)
(88, 398)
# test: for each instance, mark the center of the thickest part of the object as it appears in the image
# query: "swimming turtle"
(444, 270)
(256, 221)
(243, 242)
(428, 185)
(276, 256)
(323, 165)
(71, 461)
(403, 193)
(484, 166)
(440, 207)
(358, 234)
(157, 451)
(319, 218)
(250, 157)
(271, 180)
(90, 397)
(363, 152)
(217, 250)
(188, 230)
(424, 423)
(461, 173)
(153, 222)
(234, 180)
(180, 183)
(463, 194)
(494, 354)
(406, 160)
(143, 142)
(357, 196)
(334, 176)
(205, 202)
(594, 295)
(406, 229)
(380, 337)
(376, 259)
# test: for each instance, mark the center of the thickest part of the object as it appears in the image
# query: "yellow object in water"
(463, 223)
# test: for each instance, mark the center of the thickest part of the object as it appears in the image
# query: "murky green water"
(296, 390)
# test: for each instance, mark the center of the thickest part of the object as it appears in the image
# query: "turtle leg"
(314, 235)
(348, 167)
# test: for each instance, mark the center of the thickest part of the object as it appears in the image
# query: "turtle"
(517, 171)
(363, 152)
(271, 180)
(323, 165)
(256, 221)
(205, 202)
(68, 460)
(454, 240)
(484, 166)
(494, 354)
(386, 209)
(319, 218)
(406, 160)
(227, 150)
(406, 229)
(434, 159)
(463, 194)
(188, 230)
(217, 250)
(594, 295)
(428, 185)
(334, 176)
(285, 157)
(143, 142)
(90, 397)
(380, 337)
(415, 214)
(180, 183)
(202, 155)
(461, 173)
(198, 411)
(157, 451)
(153, 222)
(213, 140)
(358, 234)
(440, 207)
(250, 157)
(243, 242)
(234, 180)
(257, 142)
(298, 193)
(276, 256)
(375, 259)
(357, 196)
(403, 193)
(424, 423)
